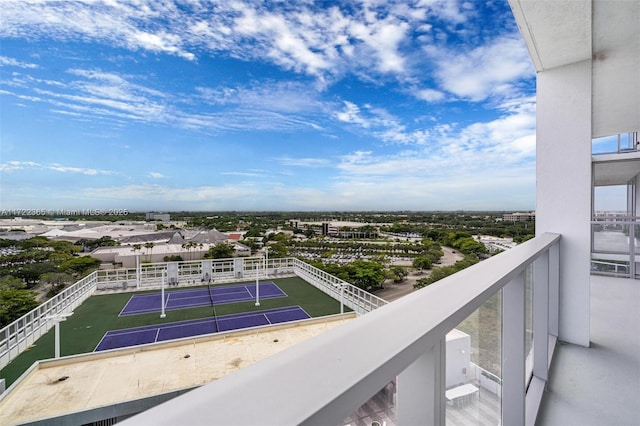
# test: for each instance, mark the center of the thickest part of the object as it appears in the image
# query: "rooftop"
(101, 379)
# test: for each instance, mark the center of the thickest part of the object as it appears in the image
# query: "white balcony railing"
(620, 143)
(615, 245)
(325, 379)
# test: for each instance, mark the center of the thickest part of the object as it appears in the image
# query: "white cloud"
(115, 23)
(381, 124)
(283, 96)
(485, 71)
(430, 95)
(458, 154)
(6, 61)
(13, 166)
(351, 114)
(323, 42)
(98, 94)
(156, 175)
(172, 194)
(304, 162)
(244, 174)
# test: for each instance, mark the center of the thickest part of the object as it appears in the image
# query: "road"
(393, 291)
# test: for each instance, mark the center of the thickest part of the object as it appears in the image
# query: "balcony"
(472, 349)
(599, 385)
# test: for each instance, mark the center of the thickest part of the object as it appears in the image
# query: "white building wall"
(563, 194)
(458, 356)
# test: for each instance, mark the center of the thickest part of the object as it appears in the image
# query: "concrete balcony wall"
(563, 192)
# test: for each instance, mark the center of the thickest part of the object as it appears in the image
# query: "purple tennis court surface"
(176, 330)
(217, 295)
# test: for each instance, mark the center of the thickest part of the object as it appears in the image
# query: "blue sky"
(272, 105)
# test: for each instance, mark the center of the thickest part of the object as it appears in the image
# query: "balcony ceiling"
(615, 169)
(562, 32)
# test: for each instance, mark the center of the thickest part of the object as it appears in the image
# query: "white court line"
(247, 290)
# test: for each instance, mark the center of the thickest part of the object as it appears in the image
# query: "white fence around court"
(23, 332)
(355, 298)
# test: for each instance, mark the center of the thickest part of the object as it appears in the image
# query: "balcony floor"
(599, 385)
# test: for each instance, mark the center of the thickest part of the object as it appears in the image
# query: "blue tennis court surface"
(176, 330)
(197, 297)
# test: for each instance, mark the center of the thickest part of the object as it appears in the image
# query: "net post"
(162, 314)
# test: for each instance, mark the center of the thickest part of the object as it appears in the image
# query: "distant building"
(340, 229)
(241, 250)
(164, 217)
(519, 217)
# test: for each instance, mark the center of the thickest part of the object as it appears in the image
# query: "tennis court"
(193, 298)
(175, 330)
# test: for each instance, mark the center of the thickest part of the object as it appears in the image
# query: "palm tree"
(149, 247)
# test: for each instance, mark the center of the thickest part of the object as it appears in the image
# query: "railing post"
(421, 389)
(541, 318)
(554, 288)
(513, 352)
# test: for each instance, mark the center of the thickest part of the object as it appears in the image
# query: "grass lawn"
(82, 332)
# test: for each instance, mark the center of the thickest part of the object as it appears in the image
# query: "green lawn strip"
(82, 332)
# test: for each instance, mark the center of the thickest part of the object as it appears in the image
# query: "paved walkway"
(393, 291)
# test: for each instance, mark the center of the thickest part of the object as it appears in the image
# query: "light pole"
(138, 271)
(162, 314)
(257, 286)
(266, 261)
(57, 318)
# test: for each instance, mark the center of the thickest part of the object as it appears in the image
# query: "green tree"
(422, 263)
(468, 245)
(9, 281)
(56, 282)
(80, 265)
(398, 273)
(59, 257)
(64, 247)
(440, 273)
(251, 244)
(364, 274)
(422, 282)
(277, 250)
(220, 251)
(90, 245)
(14, 303)
(33, 243)
(149, 246)
(31, 273)
(173, 258)
(519, 239)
